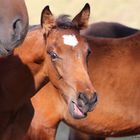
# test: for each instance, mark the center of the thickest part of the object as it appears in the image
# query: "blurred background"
(122, 11)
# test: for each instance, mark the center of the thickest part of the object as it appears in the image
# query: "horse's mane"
(64, 22)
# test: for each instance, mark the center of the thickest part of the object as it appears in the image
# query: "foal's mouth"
(75, 111)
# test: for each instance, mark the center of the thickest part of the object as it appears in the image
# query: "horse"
(108, 30)
(13, 24)
(39, 101)
(121, 112)
(49, 53)
(113, 67)
(105, 29)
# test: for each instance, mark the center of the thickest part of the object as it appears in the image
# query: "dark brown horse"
(109, 30)
(13, 24)
(114, 69)
(49, 53)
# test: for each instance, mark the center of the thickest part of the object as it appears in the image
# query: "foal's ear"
(81, 20)
(47, 19)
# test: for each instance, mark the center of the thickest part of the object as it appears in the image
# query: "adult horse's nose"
(17, 28)
(85, 103)
(15, 35)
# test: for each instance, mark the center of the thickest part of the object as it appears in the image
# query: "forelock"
(64, 22)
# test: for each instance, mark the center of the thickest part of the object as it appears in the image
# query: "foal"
(114, 68)
(55, 52)
(13, 24)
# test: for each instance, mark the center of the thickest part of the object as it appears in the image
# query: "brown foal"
(114, 69)
(54, 52)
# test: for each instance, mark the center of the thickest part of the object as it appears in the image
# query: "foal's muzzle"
(83, 105)
(86, 104)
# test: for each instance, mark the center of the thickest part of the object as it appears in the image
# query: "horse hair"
(64, 22)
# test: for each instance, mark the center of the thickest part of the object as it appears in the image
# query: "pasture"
(123, 11)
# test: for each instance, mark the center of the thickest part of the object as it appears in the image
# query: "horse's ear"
(81, 20)
(47, 19)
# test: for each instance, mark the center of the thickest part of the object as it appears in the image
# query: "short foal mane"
(64, 22)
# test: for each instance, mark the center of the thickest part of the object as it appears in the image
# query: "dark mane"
(64, 22)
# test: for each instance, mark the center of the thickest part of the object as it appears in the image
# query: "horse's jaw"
(3, 51)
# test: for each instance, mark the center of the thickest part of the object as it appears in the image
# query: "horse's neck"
(25, 73)
(33, 48)
(48, 108)
(33, 54)
(16, 83)
(114, 70)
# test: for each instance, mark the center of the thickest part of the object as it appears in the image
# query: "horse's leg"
(20, 124)
(4, 121)
(77, 135)
(97, 138)
(41, 134)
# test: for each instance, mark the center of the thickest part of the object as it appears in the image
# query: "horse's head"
(13, 24)
(68, 52)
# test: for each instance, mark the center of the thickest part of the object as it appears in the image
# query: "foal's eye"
(53, 55)
(88, 53)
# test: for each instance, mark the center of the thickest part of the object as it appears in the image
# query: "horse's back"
(109, 30)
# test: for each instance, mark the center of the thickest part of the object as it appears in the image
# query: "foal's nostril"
(93, 101)
(83, 97)
(94, 98)
(86, 104)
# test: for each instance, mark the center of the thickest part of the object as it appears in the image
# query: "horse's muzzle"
(83, 105)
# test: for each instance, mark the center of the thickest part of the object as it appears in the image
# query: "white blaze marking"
(70, 40)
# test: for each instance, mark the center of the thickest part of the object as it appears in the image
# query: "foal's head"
(68, 52)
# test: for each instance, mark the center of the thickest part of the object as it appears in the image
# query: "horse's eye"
(53, 55)
(88, 53)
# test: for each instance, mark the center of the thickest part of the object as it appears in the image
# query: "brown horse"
(114, 69)
(106, 30)
(13, 24)
(109, 30)
(49, 53)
